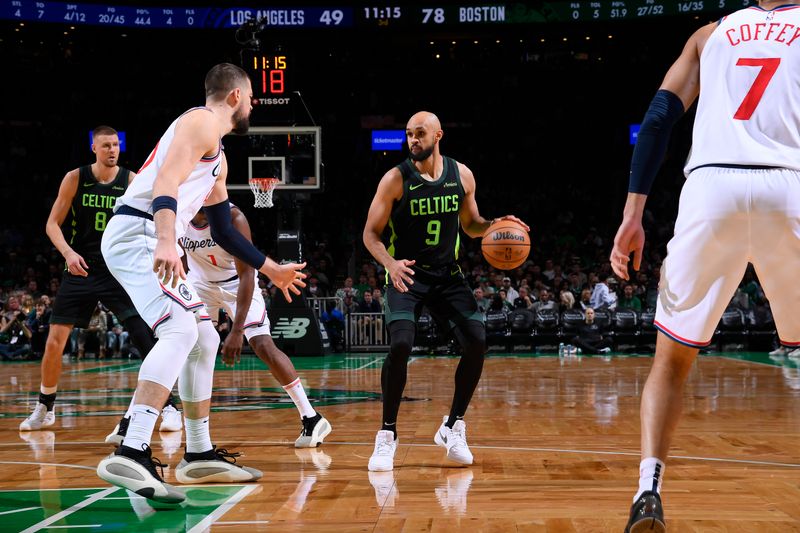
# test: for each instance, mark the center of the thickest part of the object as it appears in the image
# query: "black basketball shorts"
(77, 297)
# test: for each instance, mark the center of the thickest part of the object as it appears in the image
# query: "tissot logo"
(295, 328)
(500, 235)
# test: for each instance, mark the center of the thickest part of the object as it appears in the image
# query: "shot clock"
(269, 73)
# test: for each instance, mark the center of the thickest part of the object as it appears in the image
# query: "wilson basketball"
(506, 244)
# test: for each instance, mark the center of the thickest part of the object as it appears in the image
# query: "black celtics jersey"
(424, 222)
(91, 209)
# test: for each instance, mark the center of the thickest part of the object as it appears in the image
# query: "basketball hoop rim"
(264, 183)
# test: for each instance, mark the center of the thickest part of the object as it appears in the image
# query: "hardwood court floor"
(555, 445)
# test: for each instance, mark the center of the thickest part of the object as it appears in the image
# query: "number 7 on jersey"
(768, 67)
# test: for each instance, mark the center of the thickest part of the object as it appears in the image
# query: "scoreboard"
(415, 17)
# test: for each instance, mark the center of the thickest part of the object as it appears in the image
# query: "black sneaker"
(216, 465)
(116, 437)
(647, 515)
(136, 471)
(314, 431)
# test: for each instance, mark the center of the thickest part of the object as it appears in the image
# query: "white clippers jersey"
(749, 107)
(191, 193)
(207, 260)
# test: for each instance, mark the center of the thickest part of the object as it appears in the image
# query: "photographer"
(14, 333)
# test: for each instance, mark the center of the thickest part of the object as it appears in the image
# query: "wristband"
(165, 202)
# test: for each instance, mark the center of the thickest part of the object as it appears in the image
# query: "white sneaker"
(314, 431)
(136, 471)
(455, 441)
(213, 466)
(382, 459)
(779, 353)
(794, 354)
(604, 350)
(171, 419)
(385, 488)
(40, 418)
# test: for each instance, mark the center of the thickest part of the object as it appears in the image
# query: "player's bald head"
(424, 119)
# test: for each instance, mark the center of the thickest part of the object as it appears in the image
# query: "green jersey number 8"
(100, 219)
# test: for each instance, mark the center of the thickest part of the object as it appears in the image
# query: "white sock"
(297, 393)
(198, 439)
(140, 430)
(651, 475)
(48, 390)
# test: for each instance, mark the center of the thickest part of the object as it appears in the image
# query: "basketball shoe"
(382, 459)
(214, 466)
(455, 441)
(118, 434)
(314, 431)
(171, 419)
(647, 515)
(40, 418)
(136, 471)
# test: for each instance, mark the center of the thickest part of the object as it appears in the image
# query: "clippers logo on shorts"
(183, 290)
(295, 328)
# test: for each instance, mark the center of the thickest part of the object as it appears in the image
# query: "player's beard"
(241, 122)
(422, 155)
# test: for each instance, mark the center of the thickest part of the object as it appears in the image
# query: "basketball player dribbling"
(185, 171)
(425, 200)
(85, 201)
(224, 282)
(738, 205)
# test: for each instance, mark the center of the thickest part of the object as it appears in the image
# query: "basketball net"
(262, 189)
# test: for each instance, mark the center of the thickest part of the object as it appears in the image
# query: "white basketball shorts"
(222, 295)
(128, 245)
(729, 217)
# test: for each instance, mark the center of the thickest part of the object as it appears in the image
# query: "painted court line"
(71, 526)
(47, 464)
(240, 522)
(369, 364)
(66, 512)
(19, 510)
(206, 522)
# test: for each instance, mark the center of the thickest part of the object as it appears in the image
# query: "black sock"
(48, 400)
(452, 420)
(390, 427)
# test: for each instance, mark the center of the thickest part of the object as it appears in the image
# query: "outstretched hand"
(288, 278)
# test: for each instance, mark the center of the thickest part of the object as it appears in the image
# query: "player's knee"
(266, 349)
(402, 339)
(472, 336)
(180, 330)
(58, 335)
(207, 339)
